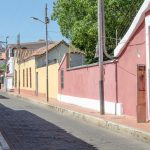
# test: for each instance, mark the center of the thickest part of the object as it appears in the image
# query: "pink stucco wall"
(133, 54)
(120, 78)
(110, 86)
(84, 82)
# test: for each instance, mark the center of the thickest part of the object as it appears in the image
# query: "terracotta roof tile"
(42, 50)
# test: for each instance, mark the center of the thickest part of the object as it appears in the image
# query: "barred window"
(30, 77)
(23, 78)
(62, 79)
(27, 76)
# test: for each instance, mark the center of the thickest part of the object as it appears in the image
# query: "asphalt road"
(30, 126)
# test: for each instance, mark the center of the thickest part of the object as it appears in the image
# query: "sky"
(15, 18)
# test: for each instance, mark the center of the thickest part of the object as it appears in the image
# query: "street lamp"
(46, 21)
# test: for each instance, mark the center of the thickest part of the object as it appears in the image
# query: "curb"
(116, 127)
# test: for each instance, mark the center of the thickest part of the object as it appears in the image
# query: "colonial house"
(126, 79)
(31, 46)
(30, 72)
(133, 67)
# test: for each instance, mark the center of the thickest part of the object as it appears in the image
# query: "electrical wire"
(128, 21)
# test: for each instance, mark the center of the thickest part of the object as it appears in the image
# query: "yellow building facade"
(33, 80)
(27, 76)
(52, 81)
(30, 73)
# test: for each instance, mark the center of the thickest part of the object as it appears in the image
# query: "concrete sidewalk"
(121, 124)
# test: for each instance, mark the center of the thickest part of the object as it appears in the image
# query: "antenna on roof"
(18, 39)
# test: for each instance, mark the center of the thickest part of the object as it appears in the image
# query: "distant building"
(32, 72)
(11, 51)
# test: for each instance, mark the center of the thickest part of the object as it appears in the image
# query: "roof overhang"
(132, 29)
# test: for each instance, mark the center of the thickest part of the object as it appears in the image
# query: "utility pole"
(46, 23)
(6, 53)
(18, 44)
(101, 45)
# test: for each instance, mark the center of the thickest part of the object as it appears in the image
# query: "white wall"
(147, 23)
(55, 54)
(10, 63)
(110, 107)
(9, 83)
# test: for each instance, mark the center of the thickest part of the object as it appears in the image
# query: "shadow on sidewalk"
(25, 131)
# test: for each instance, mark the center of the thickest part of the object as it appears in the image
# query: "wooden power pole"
(101, 45)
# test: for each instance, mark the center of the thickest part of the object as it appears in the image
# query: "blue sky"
(15, 18)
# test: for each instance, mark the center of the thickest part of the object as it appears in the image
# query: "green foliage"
(3, 67)
(78, 22)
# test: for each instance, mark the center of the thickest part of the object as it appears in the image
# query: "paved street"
(30, 126)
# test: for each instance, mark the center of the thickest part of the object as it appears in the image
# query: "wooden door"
(141, 94)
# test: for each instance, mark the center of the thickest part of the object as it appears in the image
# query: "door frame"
(141, 94)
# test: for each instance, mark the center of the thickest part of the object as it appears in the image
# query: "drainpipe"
(116, 79)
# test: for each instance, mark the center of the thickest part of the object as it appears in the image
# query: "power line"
(126, 16)
(128, 20)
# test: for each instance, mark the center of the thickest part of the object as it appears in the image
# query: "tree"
(78, 22)
(3, 67)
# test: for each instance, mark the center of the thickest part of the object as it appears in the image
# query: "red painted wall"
(110, 82)
(127, 71)
(120, 83)
(84, 82)
(80, 82)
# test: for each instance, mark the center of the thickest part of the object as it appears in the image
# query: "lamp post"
(46, 32)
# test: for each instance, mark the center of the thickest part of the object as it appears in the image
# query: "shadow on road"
(26, 131)
(3, 97)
